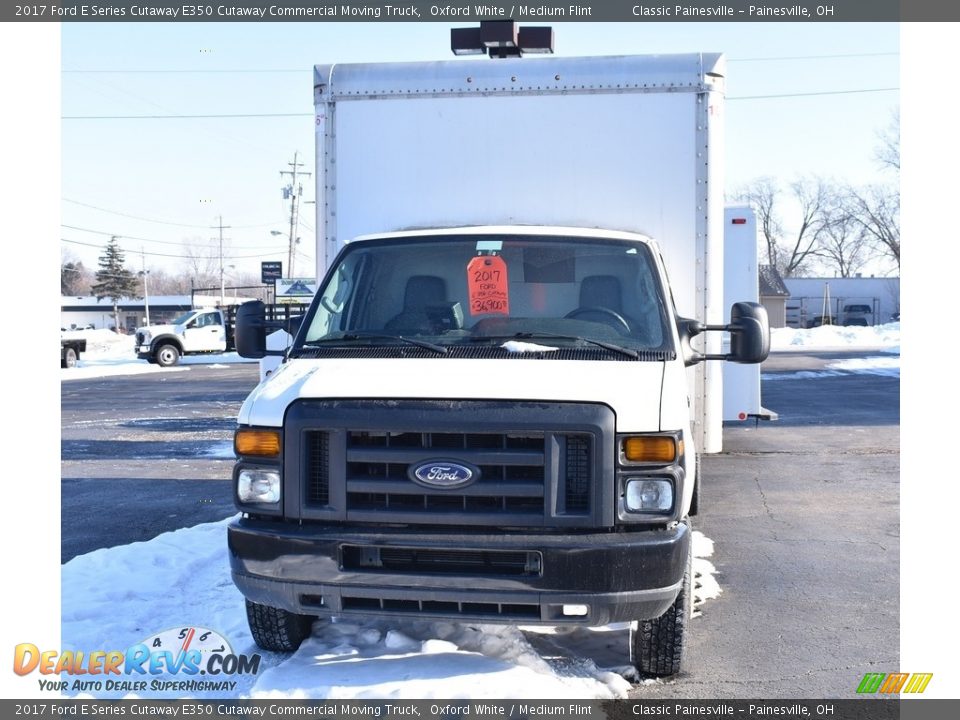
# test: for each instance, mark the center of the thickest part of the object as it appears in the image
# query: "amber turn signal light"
(650, 448)
(264, 443)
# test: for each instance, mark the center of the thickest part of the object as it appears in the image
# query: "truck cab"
(488, 424)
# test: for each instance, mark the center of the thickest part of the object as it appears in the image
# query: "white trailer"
(622, 143)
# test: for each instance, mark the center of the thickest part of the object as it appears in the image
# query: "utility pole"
(221, 227)
(293, 191)
(146, 292)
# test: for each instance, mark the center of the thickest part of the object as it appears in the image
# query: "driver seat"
(601, 291)
(421, 291)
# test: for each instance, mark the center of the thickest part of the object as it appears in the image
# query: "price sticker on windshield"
(487, 285)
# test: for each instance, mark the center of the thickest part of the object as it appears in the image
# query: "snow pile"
(885, 366)
(109, 353)
(104, 344)
(117, 597)
(835, 337)
(705, 585)
(220, 451)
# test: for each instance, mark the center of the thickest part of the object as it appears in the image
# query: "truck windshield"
(472, 291)
(182, 320)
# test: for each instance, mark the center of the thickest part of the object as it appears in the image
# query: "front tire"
(69, 358)
(276, 629)
(167, 355)
(656, 646)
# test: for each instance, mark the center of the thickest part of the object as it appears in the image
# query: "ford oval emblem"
(443, 474)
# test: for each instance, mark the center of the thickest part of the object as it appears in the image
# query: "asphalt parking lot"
(804, 513)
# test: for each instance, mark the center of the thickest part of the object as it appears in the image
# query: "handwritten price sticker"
(487, 285)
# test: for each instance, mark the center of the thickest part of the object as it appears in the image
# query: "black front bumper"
(346, 570)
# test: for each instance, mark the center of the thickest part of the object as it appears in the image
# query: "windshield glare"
(182, 320)
(468, 290)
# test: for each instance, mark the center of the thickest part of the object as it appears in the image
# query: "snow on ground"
(885, 366)
(882, 338)
(109, 353)
(117, 597)
(220, 451)
(835, 337)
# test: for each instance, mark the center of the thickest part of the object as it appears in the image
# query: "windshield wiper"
(351, 336)
(629, 352)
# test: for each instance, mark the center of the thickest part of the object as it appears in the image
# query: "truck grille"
(511, 473)
(530, 474)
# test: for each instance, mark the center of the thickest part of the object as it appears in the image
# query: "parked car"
(857, 314)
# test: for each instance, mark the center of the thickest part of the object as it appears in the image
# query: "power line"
(814, 94)
(180, 257)
(152, 220)
(191, 71)
(268, 71)
(814, 57)
(159, 242)
(262, 115)
(184, 117)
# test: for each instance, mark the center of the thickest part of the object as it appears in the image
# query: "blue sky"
(190, 171)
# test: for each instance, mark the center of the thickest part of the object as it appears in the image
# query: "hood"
(632, 389)
(154, 330)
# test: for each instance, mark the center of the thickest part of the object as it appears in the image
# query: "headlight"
(648, 495)
(258, 486)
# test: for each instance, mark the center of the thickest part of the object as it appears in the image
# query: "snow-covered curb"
(833, 337)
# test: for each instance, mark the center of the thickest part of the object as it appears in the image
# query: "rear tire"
(167, 355)
(656, 646)
(276, 629)
(69, 358)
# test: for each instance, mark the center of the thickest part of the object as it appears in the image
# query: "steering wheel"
(619, 321)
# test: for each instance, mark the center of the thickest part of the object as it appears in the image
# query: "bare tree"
(843, 246)
(762, 194)
(877, 211)
(790, 252)
(75, 278)
(202, 261)
(163, 283)
(888, 148)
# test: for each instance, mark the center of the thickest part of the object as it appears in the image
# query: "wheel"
(276, 629)
(69, 358)
(167, 355)
(606, 314)
(656, 646)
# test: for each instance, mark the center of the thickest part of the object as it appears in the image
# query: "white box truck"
(492, 410)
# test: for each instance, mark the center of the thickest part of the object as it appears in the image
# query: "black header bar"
(538, 11)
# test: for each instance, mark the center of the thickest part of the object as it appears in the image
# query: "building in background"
(842, 301)
(773, 295)
(77, 313)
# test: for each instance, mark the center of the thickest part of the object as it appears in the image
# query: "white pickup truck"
(203, 330)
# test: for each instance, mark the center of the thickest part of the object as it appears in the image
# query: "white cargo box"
(621, 143)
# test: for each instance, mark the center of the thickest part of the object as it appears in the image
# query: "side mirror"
(749, 333)
(250, 333)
